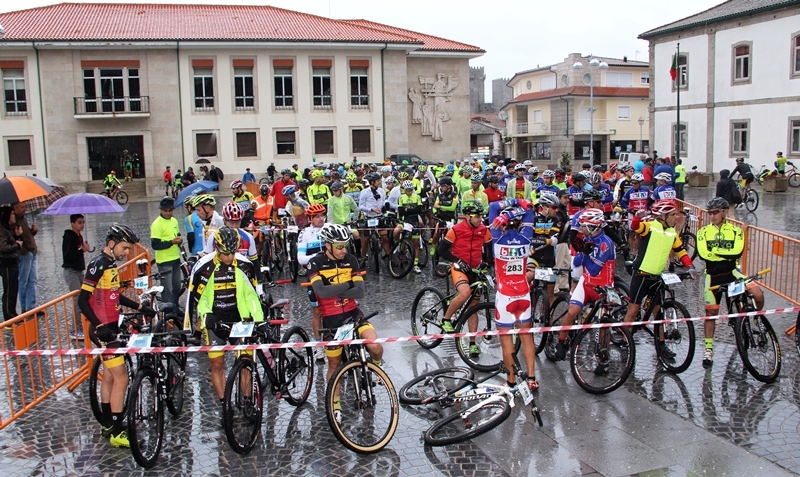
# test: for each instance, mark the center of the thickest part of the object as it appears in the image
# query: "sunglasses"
(553, 207)
(339, 246)
(714, 212)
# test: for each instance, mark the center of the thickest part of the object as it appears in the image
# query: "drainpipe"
(180, 103)
(383, 102)
(41, 111)
(567, 132)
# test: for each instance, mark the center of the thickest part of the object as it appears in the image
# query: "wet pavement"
(702, 422)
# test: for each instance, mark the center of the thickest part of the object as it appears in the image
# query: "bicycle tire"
(797, 333)
(557, 312)
(679, 337)
(175, 365)
(585, 358)
(296, 367)
(357, 381)
(292, 258)
(428, 311)
(689, 244)
(751, 200)
(455, 428)
(145, 400)
(401, 259)
(540, 315)
(447, 380)
(278, 252)
(490, 356)
(95, 378)
(440, 271)
(263, 180)
(375, 249)
(794, 180)
(266, 256)
(242, 414)
(424, 253)
(759, 340)
(122, 198)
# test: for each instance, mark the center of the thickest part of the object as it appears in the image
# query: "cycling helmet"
(402, 175)
(472, 207)
(188, 201)
(446, 181)
(317, 173)
(596, 178)
(387, 169)
(351, 177)
(407, 185)
(303, 183)
(560, 172)
(592, 219)
(226, 240)
(513, 214)
(548, 199)
(739, 159)
(592, 194)
(597, 168)
(493, 178)
(372, 176)
(548, 173)
(315, 209)
(236, 184)
(578, 177)
(717, 203)
(232, 211)
(327, 173)
(467, 169)
(113, 173)
(637, 178)
(663, 207)
(121, 233)
(612, 167)
(664, 176)
(477, 177)
(627, 167)
(535, 170)
(289, 189)
(331, 233)
(167, 203)
(336, 186)
(264, 189)
(286, 171)
(450, 168)
(422, 168)
(204, 199)
(527, 163)
(519, 167)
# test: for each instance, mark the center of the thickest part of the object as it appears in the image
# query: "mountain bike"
(116, 193)
(440, 268)
(750, 198)
(540, 300)
(369, 415)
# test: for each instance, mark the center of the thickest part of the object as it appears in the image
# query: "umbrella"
(83, 203)
(194, 189)
(202, 160)
(40, 203)
(19, 189)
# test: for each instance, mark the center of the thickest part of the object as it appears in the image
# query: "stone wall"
(396, 103)
(477, 82)
(502, 93)
(560, 122)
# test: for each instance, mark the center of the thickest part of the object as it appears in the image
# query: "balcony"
(602, 126)
(119, 107)
(531, 129)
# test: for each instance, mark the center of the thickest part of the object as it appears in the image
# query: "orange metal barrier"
(31, 379)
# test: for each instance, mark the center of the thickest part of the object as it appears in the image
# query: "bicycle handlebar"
(751, 278)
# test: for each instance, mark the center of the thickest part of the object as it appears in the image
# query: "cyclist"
(547, 226)
(444, 206)
(232, 214)
(576, 191)
(745, 173)
(354, 187)
(168, 181)
(534, 178)
(635, 199)
(318, 192)
(241, 196)
(309, 244)
(409, 210)
(465, 245)
(343, 210)
(611, 176)
(623, 184)
(780, 163)
(593, 266)
(547, 184)
(277, 189)
(295, 206)
(336, 283)
(475, 193)
(492, 190)
(111, 184)
(222, 292)
(518, 187)
(560, 179)
(719, 245)
(463, 182)
(664, 189)
(596, 180)
(204, 206)
(371, 203)
(193, 226)
(262, 205)
(100, 301)
(393, 194)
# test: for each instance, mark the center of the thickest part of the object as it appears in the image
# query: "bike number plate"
(242, 329)
(291, 228)
(282, 212)
(613, 296)
(372, 222)
(544, 274)
(693, 218)
(408, 227)
(264, 229)
(449, 224)
(735, 288)
(140, 340)
(345, 332)
(141, 283)
(525, 392)
(260, 287)
(670, 278)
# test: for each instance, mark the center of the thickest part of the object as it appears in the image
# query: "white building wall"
(768, 130)
(697, 49)
(695, 119)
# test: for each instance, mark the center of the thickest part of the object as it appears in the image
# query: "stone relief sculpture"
(431, 116)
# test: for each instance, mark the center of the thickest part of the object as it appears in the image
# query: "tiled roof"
(491, 119)
(139, 22)
(599, 92)
(724, 11)
(476, 127)
(430, 42)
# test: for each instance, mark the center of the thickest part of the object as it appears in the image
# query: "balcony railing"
(138, 106)
(600, 125)
(532, 129)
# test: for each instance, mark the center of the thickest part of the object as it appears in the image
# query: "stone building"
(501, 92)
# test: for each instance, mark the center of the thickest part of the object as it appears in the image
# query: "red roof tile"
(431, 42)
(599, 91)
(131, 22)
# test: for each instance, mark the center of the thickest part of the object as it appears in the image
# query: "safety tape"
(396, 339)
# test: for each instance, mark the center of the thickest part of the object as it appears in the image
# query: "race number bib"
(345, 332)
(515, 267)
(372, 222)
(242, 329)
(735, 288)
(544, 274)
(282, 212)
(670, 278)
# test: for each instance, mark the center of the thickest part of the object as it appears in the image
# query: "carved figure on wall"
(432, 116)
(427, 118)
(416, 109)
(438, 117)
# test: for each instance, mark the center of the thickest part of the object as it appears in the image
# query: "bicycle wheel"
(794, 180)
(263, 180)
(602, 359)
(145, 418)
(489, 356)
(122, 198)
(469, 423)
(401, 259)
(368, 417)
(435, 383)
(759, 348)
(440, 268)
(278, 255)
(296, 367)
(679, 338)
(292, 260)
(424, 253)
(540, 314)
(751, 200)
(242, 406)
(690, 244)
(175, 365)
(557, 313)
(427, 313)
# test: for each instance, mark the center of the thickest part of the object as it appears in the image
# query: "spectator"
(212, 174)
(248, 177)
(189, 177)
(168, 181)
(165, 238)
(679, 178)
(72, 249)
(638, 166)
(28, 263)
(728, 189)
(662, 167)
(10, 246)
(648, 174)
(271, 172)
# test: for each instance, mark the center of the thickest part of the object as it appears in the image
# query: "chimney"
(624, 59)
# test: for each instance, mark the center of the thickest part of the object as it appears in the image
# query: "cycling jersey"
(526, 223)
(634, 200)
(263, 208)
(370, 199)
(494, 194)
(448, 202)
(517, 188)
(225, 290)
(308, 244)
(545, 188)
(467, 242)
(276, 192)
(472, 196)
(599, 265)
(409, 208)
(720, 247)
(575, 199)
(210, 226)
(608, 198)
(247, 245)
(511, 252)
(341, 210)
(332, 272)
(353, 191)
(622, 187)
(318, 194)
(244, 200)
(657, 242)
(545, 228)
(194, 229)
(102, 282)
(665, 192)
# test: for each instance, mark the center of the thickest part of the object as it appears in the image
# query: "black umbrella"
(202, 160)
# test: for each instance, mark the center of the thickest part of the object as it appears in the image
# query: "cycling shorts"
(214, 335)
(512, 310)
(460, 277)
(711, 298)
(642, 285)
(332, 322)
(583, 294)
(745, 182)
(109, 360)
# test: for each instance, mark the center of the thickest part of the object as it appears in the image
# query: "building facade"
(738, 74)
(169, 88)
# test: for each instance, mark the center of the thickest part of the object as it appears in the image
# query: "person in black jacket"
(728, 190)
(72, 249)
(10, 245)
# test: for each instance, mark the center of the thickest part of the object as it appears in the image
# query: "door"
(109, 153)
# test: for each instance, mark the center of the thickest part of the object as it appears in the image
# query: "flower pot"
(697, 180)
(774, 183)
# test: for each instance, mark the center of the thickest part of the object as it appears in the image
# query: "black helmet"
(226, 240)
(739, 159)
(372, 176)
(167, 203)
(337, 186)
(493, 178)
(303, 183)
(592, 194)
(578, 177)
(121, 233)
(717, 203)
(286, 171)
(446, 181)
(264, 189)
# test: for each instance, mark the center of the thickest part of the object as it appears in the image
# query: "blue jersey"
(599, 265)
(665, 192)
(526, 227)
(194, 226)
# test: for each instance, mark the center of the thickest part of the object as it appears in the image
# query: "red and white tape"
(396, 339)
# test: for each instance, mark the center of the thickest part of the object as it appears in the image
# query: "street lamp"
(594, 63)
(641, 123)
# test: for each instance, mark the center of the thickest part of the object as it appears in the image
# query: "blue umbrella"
(196, 189)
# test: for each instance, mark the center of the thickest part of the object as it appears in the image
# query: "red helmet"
(663, 207)
(236, 184)
(113, 173)
(612, 167)
(232, 211)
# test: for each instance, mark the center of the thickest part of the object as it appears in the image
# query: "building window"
(682, 79)
(794, 136)
(645, 78)
(321, 80)
(547, 83)
(537, 115)
(359, 91)
(362, 141)
(624, 113)
(619, 79)
(680, 139)
(323, 142)
(796, 55)
(246, 144)
(19, 152)
(204, 89)
(14, 92)
(741, 63)
(105, 90)
(285, 142)
(206, 144)
(283, 88)
(244, 98)
(740, 138)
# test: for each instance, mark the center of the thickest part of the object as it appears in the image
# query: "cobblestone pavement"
(715, 422)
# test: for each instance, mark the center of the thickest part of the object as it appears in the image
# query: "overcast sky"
(516, 34)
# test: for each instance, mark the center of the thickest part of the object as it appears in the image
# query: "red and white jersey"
(511, 252)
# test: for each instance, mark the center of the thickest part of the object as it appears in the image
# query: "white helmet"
(386, 169)
(664, 176)
(535, 170)
(407, 185)
(527, 163)
(637, 178)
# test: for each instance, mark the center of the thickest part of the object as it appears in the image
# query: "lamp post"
(594, 63)
(641, 123)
